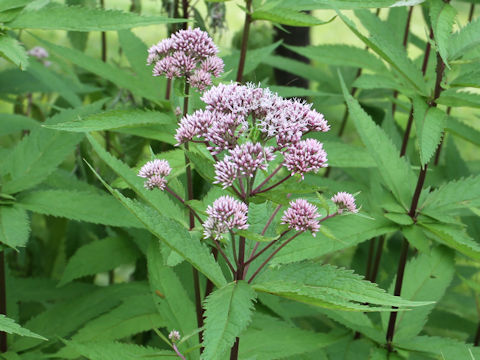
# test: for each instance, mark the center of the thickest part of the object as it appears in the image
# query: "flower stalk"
(244, 46)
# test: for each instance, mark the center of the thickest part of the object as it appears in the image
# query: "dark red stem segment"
(103, 37)
(273, 186)
(234, 350)
(243, 50)
(185, 13)
(3, 300)
(476, 341)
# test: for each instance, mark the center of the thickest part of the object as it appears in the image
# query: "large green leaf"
(382, 41)
(175, 236)
(99, 256)
(115, 119)
(465, 39)
(343, 4)
(12, 4)
(78, 205)
(426, 278)
(455, 238)
(105, 70)
(156, 199)
(395, 171)
(11, 50)
(136, 314)
(55, 16)
(327, 286)
(286, 16)
(269, 338)
(442, 347)
(463, 130)
(442, 16)
(430, 123)
(451, 97)
(169, 294)
(102, 350)
(14, 226)
(14, 123)
(228, 311)
(40, 153)
(347, 155)
(341, 55)
(11, 327)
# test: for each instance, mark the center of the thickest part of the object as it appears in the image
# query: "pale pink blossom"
(305, 156)
(302, 216)
(345, 202)
(225, 214)
(155, 173)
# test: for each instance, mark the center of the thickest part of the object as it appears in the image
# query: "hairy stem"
(273, 186)
(243, 50)
(270, 244)
(267, 179)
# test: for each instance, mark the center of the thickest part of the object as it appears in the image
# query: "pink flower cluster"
(344, 202)
(187, 53)
(41, 54)
(155, 173)
(302, 216)
(234, 111)
(225, 214)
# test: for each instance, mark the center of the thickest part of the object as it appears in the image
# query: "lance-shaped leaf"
(14, 226)
(465, 39)
(441, 347)
(169, 295)
(11, 327)
(463, 130)
(104, 350)
(99, 256)
(40, 153)
(11, 50)
(451, 97)
(286, 16)
(327, 286)
(442, 17)
(55, 16)
(341, 55)
(174, 235)
(453, 237)
(83, 205)
(430, 123)
(426, 278)
(228, 311)
(395, 171)
(14, 123)
(113, 120)
(344, 4)
(383, 43)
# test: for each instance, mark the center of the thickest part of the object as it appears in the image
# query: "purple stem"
(273, 186)
(176, 196)
(178, 352)
(224, 256)
(267, 178)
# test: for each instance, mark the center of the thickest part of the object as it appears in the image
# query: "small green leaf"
(11, 50)
(11, 327)
(14, 226)
(464, 40)
(442, 16)
(228, 311)
(401, 219)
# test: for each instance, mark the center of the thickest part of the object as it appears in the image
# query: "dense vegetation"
(268, 199)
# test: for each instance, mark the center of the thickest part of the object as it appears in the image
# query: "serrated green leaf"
(401, 219)
(463, 130)
(348, 231)
(174, 235)
(465, 39)
(269, 338)
(11, 50)
(416, 237)
(51, 322)
(467, 79)
(453, 195)
(99, 256)
(78, 205)
(442, 17)
(395, 171)
(341, 55)
(426, 278)
(115, 119)
(136, 314)
(347, 155)
(40, 153)
(107, 71)
(12, 4)
(292, 91)
(78, 18)
(14, 226)
(14, 123)
(455, 238)
(383, 43)
(345, 4)
(287, 16)
(228, 311)
(117, 351)
(430, 123)
(378, 81)
(327, 286)
(169, 295)
(156, 199)
(452, 97)
(11, 327)
(442, 347)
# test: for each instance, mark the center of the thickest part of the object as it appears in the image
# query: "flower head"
(38, 52)
(249, 157)
(155, 173)
(193, 125)
(305, 156)
(345, 201)
(187, 53)
(225, 214)
(174, 336)
(301, 216)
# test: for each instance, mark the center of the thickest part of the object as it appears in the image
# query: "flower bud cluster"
(187, 53)
(224, 215)
(344, 202)
(155, 173)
